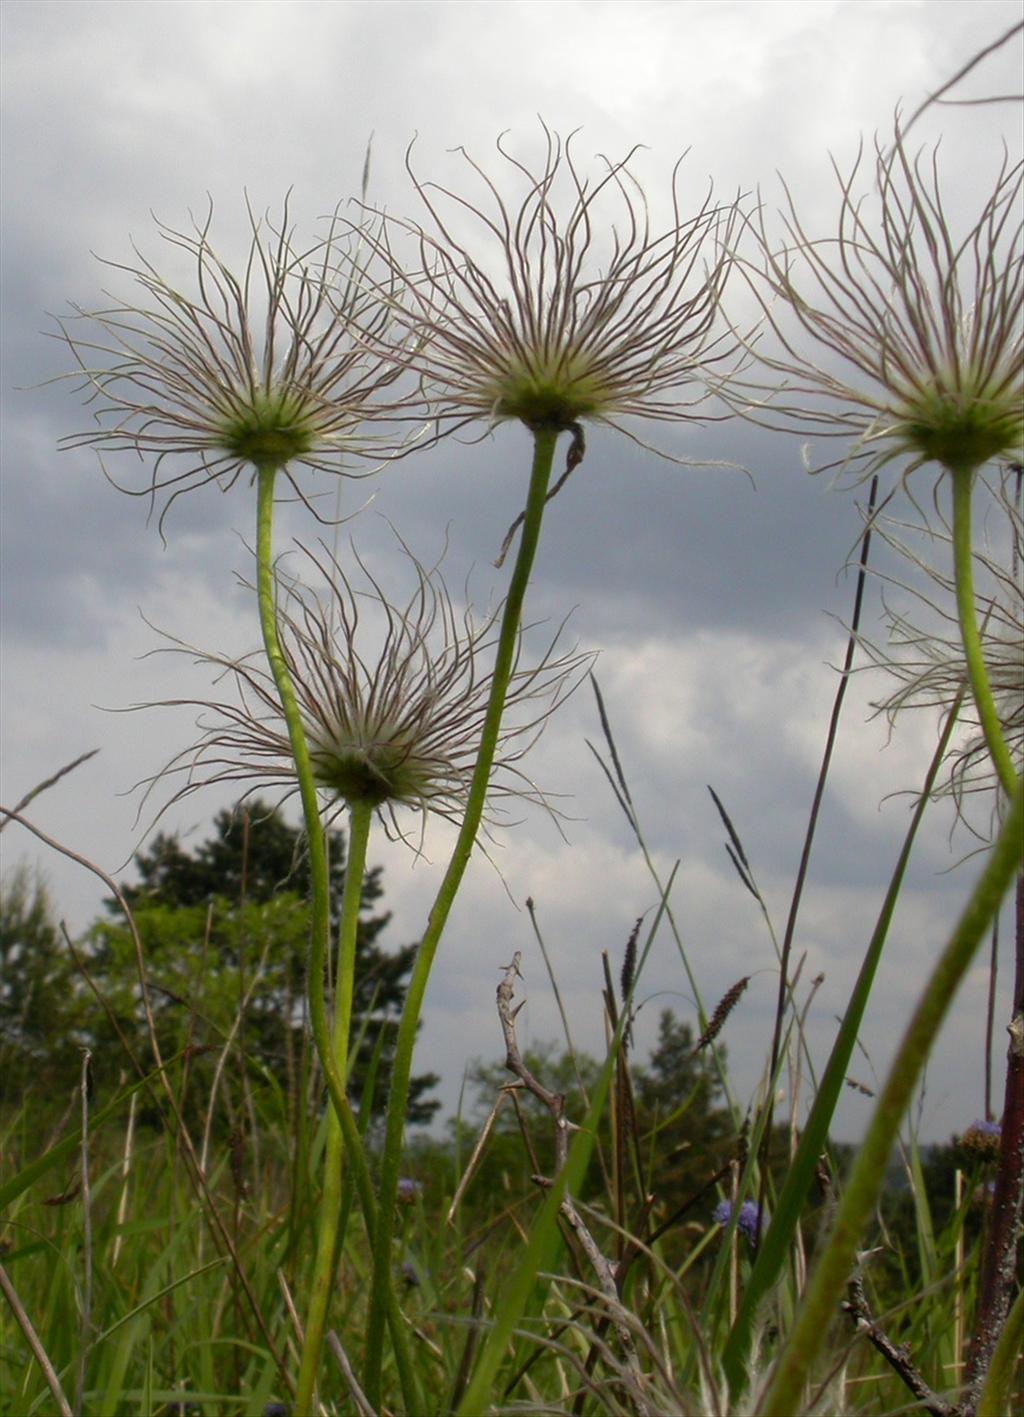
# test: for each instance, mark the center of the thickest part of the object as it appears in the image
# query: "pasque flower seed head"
(920, 352)
(562, 306)
(252, 370)
(392, 729)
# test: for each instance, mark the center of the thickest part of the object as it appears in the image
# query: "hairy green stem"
(832, 1271)
(360, 816)
(321, 909)
(996, 1393)
(988, 714)
(543, 457)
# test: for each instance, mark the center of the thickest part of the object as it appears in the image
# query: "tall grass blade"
(779, 1235)
(832, 1268)
(61, 1150)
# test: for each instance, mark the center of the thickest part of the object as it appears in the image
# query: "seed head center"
(271, 430)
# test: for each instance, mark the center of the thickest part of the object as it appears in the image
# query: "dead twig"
(86, 1340)
(897, 1357)
(359, 1398)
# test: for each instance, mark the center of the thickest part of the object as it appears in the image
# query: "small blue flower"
(747, 1222)
(408, 1190)
(984, 1194)
(990, 1129)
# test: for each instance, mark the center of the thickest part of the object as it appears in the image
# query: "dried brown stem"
(51, 781)
(555, 1103)
(359, 1399)
(32, 1339)
(897, 1357)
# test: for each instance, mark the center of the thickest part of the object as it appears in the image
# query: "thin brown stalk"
(355, 1392)
(805, 851)
(999, 1255)
(990, 1015)
(51, 781)
(39, 1353)
(85, 1337)
(126, 1163)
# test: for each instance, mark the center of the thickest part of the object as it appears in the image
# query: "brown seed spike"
(724, 1008)
(629, 961)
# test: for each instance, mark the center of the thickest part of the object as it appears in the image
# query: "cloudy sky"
(716, 605)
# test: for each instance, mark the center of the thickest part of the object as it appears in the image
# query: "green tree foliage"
(236, 905)
(224, 930)
(37, 1043)
(923, 1222)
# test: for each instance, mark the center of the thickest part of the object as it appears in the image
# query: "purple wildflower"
(408, 1190)
(747, 1222)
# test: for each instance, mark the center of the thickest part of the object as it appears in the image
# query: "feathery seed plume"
(564, 307)
(247, 370)
(397, 729)
(921, 356)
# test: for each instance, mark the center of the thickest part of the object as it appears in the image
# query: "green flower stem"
(318, 873)
(321, 908)
(832, 1271)
(360, 817)
(543, 457)
(988, 715)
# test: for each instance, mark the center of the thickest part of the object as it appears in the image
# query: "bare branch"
(897, 1357)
